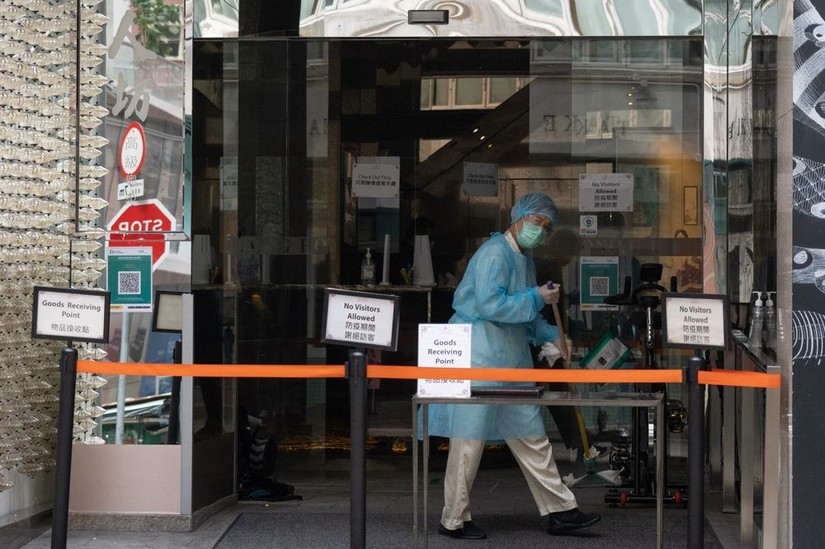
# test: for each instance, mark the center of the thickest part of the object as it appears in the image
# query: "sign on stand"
(73, 315)
(129, 279)
(360, 319)
(694, 321)
(70, 314)
(444, 346)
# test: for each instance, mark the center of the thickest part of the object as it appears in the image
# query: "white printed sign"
(444, 346)
(588, 225)
(72, 314)
(229, 182)
(480, 179)
(130, 189)
(376, 177)
(694, 321)
(361, 319)
(606, 192)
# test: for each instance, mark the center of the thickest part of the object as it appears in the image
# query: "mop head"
(608, 476)
(611, 476)
(570, 480)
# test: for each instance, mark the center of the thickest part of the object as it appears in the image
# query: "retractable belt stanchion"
(356, 371)
(357, 374)
(696, 454)
(63, 467)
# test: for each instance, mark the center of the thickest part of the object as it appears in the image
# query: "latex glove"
(549, 352)
(549, 296)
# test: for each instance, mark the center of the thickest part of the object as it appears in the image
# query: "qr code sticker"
(600, 286)
(128, 282)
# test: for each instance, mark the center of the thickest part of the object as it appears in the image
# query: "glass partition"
(284, 138)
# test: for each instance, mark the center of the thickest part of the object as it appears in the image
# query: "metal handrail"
(757, 422)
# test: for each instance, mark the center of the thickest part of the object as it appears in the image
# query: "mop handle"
(562, 339)
(583, 433)
(563, 344)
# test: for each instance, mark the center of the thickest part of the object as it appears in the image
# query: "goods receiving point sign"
(142, 225)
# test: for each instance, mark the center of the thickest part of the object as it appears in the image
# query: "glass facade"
(293, 106)
(295, 119)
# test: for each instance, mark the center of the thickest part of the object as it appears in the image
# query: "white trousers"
(534, 457)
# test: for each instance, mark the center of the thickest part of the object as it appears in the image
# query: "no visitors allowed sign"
(360, 319)
(606, 192)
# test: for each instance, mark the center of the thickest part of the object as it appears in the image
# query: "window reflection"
(348, 18)
(535, 115)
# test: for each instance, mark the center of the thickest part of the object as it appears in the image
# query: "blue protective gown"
(498, 296)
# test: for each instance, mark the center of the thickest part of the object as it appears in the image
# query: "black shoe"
(563, 522)
(470, 531)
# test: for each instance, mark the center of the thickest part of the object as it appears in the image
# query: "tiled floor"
(500, 490)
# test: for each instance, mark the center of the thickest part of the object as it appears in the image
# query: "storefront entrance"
(287, 131)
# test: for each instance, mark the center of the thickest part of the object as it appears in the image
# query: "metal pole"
(173, 434)
(696, 454)
(357, 373)
(746, 465)
(121, 379)
(78, 21)
(65, 427)
(661, 484)
(415, 470)
(770, 499)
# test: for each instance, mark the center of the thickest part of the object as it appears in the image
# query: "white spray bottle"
(368, 270)
(757, 322)
(770, 322)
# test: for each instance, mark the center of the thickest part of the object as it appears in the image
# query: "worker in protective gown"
(500, 298)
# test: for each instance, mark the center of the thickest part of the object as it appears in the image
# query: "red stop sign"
(136, 223)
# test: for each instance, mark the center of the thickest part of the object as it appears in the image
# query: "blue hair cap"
(534, 203)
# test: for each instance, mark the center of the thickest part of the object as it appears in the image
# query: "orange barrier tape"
(715, 377)
(740, 379)
(211, 370)
(526, 374)
(381, 371)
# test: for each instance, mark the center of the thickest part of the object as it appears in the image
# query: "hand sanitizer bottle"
(368, 270)
(770, 322)
(757, 321)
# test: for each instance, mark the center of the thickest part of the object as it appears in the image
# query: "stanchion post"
(173, 434)
(357, 374)
(696, 454)
(63, 467)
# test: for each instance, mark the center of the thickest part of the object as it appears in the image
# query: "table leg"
(415, 471)
(425, 408)
(660, 472)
